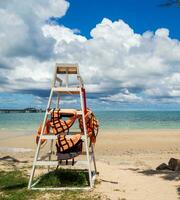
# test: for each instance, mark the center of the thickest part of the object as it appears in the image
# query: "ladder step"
(55, 163)
(49, 137)
(46, 163)
(67, 90)
(79, 112)
(54, 137)
(61, 188)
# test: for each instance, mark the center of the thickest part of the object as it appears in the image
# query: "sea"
(109, 120)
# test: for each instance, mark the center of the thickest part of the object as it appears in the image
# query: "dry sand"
(126, 161)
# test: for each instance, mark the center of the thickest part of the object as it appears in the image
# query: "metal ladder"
(60, 89)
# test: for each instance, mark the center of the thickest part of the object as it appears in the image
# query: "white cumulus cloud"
(125, 97)
(116, 63)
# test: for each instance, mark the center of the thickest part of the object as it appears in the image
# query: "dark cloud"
(36, 92)
(40, 48)
(4, 81)
(5, 63)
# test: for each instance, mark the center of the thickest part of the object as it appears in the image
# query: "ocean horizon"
(29, 122)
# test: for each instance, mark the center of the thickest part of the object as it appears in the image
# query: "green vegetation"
(64, 178)
(13, 186)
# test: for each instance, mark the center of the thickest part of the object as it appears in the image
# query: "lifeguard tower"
(66, 81)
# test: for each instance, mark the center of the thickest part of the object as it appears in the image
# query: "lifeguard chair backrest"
(63, 70)
(61, 76)
(67, 69)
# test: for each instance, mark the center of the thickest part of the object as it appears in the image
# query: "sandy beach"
(126, 161)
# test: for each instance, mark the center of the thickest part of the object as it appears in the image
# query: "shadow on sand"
(164, 174)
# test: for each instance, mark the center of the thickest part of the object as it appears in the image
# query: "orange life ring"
(46, 131)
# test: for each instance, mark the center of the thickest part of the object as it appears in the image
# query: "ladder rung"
(81, 162)
(41, 159)
(52, 163)
(61, 188)
(66, 90)
(79, 112)
(54, 137)
(49, 137)
(39, 162)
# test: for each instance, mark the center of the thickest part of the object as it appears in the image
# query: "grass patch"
(13, 186)
(64, 178)
(12, 180)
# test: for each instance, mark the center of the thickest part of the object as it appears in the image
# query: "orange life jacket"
(64, 142)
(92, 125)
(61, 126)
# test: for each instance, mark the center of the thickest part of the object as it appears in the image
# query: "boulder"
(174, 164)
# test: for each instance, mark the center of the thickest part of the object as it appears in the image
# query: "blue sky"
(139, 14)
(131, 50)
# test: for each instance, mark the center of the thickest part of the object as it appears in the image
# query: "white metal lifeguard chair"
(59, 88)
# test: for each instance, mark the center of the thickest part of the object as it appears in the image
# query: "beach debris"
(113, 182)
(11, 159)
(173, 164)
(162, 166)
